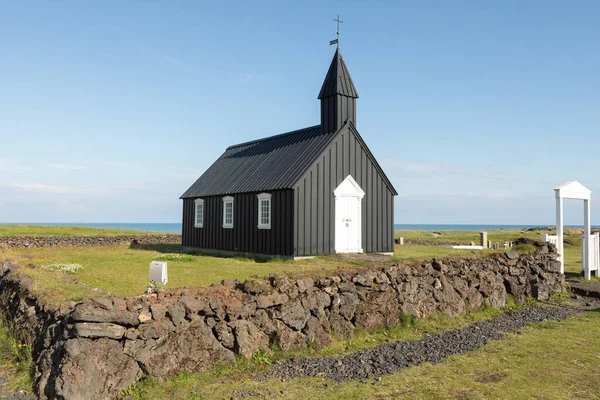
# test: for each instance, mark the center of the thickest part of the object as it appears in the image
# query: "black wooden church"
(312, 191)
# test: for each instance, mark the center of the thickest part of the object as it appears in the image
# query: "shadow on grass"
(159, 247)
(170, 248)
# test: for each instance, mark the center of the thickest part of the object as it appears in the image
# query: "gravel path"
(389, 358)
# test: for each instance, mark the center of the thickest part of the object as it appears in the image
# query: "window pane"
(201, 213)
(265, 212)
(229, 213)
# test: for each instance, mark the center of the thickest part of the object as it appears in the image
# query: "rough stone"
(155, 329)
(305, 284)
(338, 326)
(224, 334)
(270, 300)
(195, 349)
(451, 303)
(347, 304)
(261, 319)
(379, 310)
(292, 314)
(176, 313)
(106, 304)
(248, 338)
(316, 334)
(316, 300)
(145, 316)
(88, 313)
(193, 306)
(159, 311)
(288, 339)
(94, 369)
(361, 280)
(217, 307)
(98, 330)
(132, 334)
(240, 309)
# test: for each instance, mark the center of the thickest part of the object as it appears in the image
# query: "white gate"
(593, 263)
(554, 240)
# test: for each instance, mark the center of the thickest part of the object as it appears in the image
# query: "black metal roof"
(338, 80)
(272, 163)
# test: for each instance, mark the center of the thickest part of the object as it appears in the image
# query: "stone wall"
(98, 347)
(82, 241)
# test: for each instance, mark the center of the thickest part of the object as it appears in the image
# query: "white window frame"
(261, 198)
(227, 200)
(198, 202)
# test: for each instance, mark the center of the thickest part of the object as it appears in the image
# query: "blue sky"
(109, 110)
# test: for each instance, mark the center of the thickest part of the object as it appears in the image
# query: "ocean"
(176, 227)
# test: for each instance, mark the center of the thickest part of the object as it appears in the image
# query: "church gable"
(346, 154)
(351, 156)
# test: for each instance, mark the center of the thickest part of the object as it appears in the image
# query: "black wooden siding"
(335, 110)
(314, 225)
(244, 236)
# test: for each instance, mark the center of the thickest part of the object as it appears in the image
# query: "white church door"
(348, 224)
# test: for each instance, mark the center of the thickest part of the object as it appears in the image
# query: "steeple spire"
(338, 96)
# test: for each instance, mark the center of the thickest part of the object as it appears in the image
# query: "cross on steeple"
(337, 40)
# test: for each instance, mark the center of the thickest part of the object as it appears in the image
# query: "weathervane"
(337, 41)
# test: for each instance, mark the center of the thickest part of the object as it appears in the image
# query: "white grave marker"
(158, 272)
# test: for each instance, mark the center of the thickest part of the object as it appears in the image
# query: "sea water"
(175, 227)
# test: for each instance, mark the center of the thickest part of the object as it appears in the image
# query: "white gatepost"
(575, 190)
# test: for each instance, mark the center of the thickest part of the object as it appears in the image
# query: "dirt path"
(386, 359)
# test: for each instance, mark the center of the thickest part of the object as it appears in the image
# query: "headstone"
(496, 246)
(401, 240)
(158, 272)
(489, 244)
(483, 239)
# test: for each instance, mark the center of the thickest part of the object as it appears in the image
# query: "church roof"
(272, 163)
(338, 80)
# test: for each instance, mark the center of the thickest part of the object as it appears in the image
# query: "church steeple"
(338, 96)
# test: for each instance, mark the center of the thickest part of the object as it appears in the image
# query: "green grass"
(15, 360)
(123, 271)
(33, 230)
(518, 367)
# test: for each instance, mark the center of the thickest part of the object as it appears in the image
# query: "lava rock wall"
(83, 241)
(98, 347)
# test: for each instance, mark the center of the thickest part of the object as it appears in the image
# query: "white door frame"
(348, 188)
